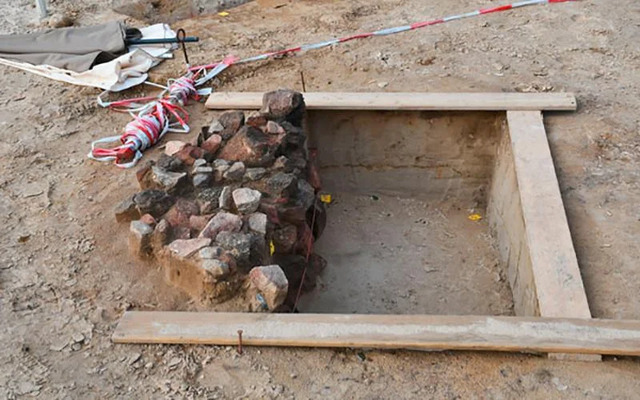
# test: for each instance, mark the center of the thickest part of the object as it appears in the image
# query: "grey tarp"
(75, 49)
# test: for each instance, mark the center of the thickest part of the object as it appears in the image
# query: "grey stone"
(246, 200)
(258, 223)
(200, 162)
(226, 201)
(210, 252)
(216, 268)
(253, 174)
(203, 170)
(201, 181)
(238, 245)
(235, 172)
(154, 202)
(215, 128)
(127, 211)
(170, 181)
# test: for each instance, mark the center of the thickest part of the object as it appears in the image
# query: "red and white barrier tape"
(152, 121)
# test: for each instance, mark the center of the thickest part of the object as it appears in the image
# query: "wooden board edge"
(409, 101)
(415, 332)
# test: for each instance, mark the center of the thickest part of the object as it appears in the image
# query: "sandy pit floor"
(392, 255)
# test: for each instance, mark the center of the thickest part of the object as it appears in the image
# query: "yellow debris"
(475, 217)
(325, 198)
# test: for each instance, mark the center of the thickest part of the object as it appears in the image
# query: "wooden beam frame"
(526, 213)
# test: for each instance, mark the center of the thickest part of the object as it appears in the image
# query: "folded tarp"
(73, 49)
(92, 56)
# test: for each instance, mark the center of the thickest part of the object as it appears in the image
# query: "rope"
(386, 31)
(152, 118)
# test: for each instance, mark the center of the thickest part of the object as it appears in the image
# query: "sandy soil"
(407, 255)
(66, 277)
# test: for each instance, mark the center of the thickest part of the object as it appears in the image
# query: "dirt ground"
(66, 276)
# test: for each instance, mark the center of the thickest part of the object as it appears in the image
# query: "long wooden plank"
(383, 331)
(407, 101)
(556, 275)
(550, 260)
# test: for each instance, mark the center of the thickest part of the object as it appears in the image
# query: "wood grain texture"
(559, 288)
(406, 101)
(515, 334)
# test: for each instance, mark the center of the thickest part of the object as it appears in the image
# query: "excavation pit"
(407, 230)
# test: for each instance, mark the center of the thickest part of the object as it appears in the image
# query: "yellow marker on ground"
(475, 217)
(325, 198)
(272, 248)
(223, 14)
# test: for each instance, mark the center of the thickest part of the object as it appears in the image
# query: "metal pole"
(42, 7)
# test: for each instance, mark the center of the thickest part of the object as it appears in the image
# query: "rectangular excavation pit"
(400, 235)
(511, 178)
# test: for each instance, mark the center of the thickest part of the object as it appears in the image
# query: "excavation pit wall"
(403, 235)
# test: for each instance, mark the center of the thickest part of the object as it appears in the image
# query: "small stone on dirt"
(140, 238)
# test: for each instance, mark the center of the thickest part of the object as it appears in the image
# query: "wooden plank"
(549, 258)
(559, 288)
(407, 101)
(425, 332)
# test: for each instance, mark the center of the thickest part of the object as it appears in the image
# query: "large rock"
(246, 200)
(231, 121)
(251, 146)
(271, 283)
(154, 202)
(284, 105)
(221, 222)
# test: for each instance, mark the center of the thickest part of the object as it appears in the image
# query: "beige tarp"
(73, 49)
(124, 71)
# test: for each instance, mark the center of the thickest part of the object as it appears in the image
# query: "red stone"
(179, 214)
(212, 144)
